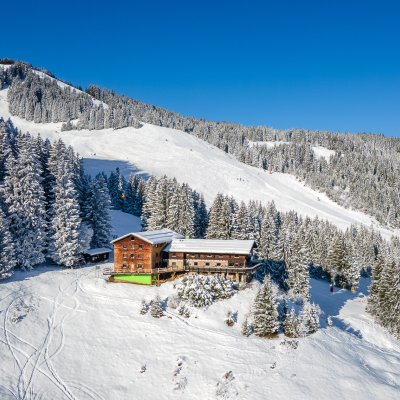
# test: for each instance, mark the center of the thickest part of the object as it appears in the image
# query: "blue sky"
(331, 65)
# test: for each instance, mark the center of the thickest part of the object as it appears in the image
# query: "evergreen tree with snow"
(265, 311)
(66, 220)
(7, 254)
(247, 328)
(156, 307)
(309, 318)
(291, 324)
(25, 205)
(297, 276)
(100, 219)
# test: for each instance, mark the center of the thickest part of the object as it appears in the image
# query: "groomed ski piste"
(154, 150)
(68, 334)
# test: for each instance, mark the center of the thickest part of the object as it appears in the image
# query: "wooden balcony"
(185, 268)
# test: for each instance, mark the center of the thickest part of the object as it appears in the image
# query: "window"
(173, 255)
(124, 266)
(124, 255)
(156, 254)
(140, 256)
(218, 264)
(140, 247)
(231, 264)
(236, 256)
(124, 246)
(132, 256)
(207, 264)
(174, 264)
(132, 246)
(140, 266)
(132, 238)
(196, 263)
(236, 264)
(209, 255)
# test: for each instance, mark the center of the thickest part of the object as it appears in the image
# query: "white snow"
(61, 84)
(268, 144)
(153, 237)
(323, 152)
(67, 334)
(156, 150)
(98, 250)
(211, 246)
(123, 223)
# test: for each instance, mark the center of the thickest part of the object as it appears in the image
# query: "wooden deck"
(186, 268)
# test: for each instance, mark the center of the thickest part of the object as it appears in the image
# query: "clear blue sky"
(312, 64)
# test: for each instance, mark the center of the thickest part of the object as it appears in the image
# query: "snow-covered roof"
(153, 237)
(210, 246)
(99, 250)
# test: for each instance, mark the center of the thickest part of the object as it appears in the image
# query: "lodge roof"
(243, 247)
(96, 251)
(153, 237)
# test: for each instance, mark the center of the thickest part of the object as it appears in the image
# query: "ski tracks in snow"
(32, 360)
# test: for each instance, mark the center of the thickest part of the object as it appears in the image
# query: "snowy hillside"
(67, 334)
(158, 151)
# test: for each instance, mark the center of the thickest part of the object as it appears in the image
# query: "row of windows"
(132, 246)
(132, 256)
(125, 266)
(173, 255)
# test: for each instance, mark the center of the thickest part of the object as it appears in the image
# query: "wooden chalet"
(233, 258)
(138, 255)
(97, 254)
(155, 256)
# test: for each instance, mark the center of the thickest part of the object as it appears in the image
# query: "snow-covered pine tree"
(25, 205)
(247, 327)
(7, 254)
(291, 324)
(100, 220)
(297, 275)
(265, 312)
(309, 318)
(66, 220)
(200, 215)
(214, 220)
(156, 307)
(337, 259)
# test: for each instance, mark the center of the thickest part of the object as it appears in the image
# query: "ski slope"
(154, 150)
(68, 334)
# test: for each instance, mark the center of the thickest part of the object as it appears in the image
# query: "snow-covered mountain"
(67, 334)
(160, 151)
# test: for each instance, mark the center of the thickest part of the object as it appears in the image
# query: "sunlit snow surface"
(158, 151)
(67, 334)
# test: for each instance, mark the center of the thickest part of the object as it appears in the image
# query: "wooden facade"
(234, 266)
(154, 253)
(135, 255)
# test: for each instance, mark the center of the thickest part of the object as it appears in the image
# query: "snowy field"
(158, 151)
(68, 334)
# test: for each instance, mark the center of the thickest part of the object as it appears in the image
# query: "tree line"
(363, 173)
(49, 208)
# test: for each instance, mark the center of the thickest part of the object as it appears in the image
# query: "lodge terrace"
(152, 257)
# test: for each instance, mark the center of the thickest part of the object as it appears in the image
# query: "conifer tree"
(66, 221)
(292, 324)
(156, 308)
(265, 311)
(7, 254)
(25, 205)
(100, 219)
